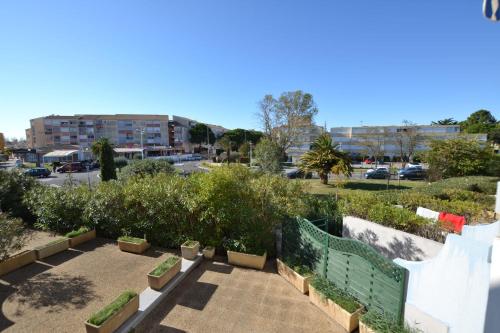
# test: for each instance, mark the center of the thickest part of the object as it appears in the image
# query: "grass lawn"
(315, 186)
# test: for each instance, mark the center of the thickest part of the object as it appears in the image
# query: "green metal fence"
(373, 279)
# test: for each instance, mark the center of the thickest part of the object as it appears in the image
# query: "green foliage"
(104, 314)
(58, 209)
(457, 157)
(165, 266)
(384, 323)
(244, 150)
(198, 134)
(12, 236)
(243, 245)
(129, 239)
(104, 150)
(76, 233)
(446, 121)
(295, 264)
(13, 186)
(268, 155)
(324, 158)
(240, 136)
(190, 243)
(480, 184)
(141, 168)
(120, 162)
(52, 242)
(231, 202)
(481, 121)
(329, 290)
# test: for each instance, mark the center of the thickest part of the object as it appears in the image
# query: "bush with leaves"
(12, 236)
(58, 209)
(13, 186)
(268, 155)
(121, 162)
(141, 168)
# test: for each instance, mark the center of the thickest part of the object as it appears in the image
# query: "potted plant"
(56, 246)
(336, 303)
(112, 316)
(190, 249)
(377, 322)
(80, 236)
(297, 275)
(209, 251)
(243, 255)
(133, 244)
(164, 272)
(17, 261)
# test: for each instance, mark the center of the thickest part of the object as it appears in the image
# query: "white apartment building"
(356, 139)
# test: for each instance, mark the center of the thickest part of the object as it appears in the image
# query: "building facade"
(363, 140)
(302, 142)
(123, 130)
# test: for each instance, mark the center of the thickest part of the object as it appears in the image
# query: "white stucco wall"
(390, 242)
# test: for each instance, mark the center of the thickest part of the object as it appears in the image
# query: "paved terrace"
(217, 297)
(58, 293)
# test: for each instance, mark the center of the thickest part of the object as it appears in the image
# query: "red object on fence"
(456, 222)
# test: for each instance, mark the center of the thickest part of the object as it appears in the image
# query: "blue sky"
(369, 61)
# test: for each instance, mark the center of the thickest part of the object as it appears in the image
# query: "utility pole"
(208, 145)
(141, 130)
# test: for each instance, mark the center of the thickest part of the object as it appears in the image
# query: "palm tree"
(324, 158)
(446, 121)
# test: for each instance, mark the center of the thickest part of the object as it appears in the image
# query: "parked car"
(413, 173)
(90, 164)
(38, 172)
(70, 167)
(379, 173)
(297, 173)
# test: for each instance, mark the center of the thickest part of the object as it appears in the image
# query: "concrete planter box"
(52, 248)
(158, 282)
(17, 261)
(190, 252)
(365, 329)
(133, 247)
(295, 279)
(116, 320)
(349, 321)
(85, 237)
(209, 252)
(247, 260)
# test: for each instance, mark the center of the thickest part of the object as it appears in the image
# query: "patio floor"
(217, 297)
(58, 293)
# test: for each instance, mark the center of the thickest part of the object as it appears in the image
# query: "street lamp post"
(141, 131)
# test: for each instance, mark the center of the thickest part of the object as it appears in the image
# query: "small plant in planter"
(164, 272)
(209, 252)
(133, 244)
(296, 274)
(53, 247)
(378, 322)
(190, 249)
(336, 303)
(241, 254)
(80, 236)
(114, 314)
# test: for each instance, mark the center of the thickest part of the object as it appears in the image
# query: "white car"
(379, 168)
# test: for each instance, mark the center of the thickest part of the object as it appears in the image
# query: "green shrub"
(75, 233)
(120, 162)
(12, 236)
(243, 245)
(383, 323)
(58, 209)
(337, 295)
(297, 266)
(481, 184)
(13, 187)
(55, 241)
(130, 239)
(165, 266)
(190, 243)
(141, 168)
(101, 316)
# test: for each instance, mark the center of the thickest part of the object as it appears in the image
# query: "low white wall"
(390, 242)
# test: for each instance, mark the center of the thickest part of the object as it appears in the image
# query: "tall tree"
(268, 155)
(325, 158)
(407, 138)
(481, 121)
(239, 136)
(104, 150)
(226, 144)
(283, 118)
(445, 121)
(373, 142)
(199, 134)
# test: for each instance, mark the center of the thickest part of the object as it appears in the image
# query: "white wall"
(390, 242)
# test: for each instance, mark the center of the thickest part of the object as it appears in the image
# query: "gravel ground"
(58, 293)
(219, 298)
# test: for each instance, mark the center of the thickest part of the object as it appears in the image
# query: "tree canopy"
(324, 158)
(239, 136)
(198, 134)
(445, 121)
(268, 155)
